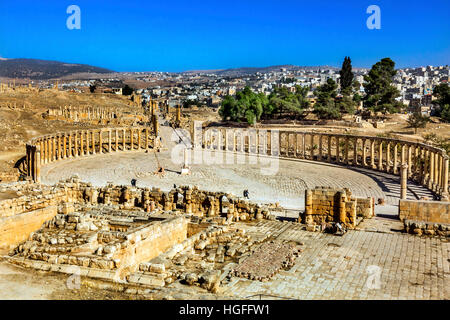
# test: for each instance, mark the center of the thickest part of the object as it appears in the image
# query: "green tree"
(346, 104)
(282, 101)
(442, 92)
(346, 73)
(326, 107)
(416, 120)
(380, 93)
(246, 106)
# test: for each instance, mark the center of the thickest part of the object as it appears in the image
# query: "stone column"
(100, 141)
(44, 150)
(426, 165)
(65, 153)
(53, 149)
(372, 154)
(82, 153)
(116, 135)
(388, 157)
(139, 138)
(445, 195)
(338, 151)
(146, 138)
(37, 162)
(403, 154)
(88, 151)
(436, 172)
(329, 147)
(380, 155)
(416, 161)
(431, 179)
(227, 141)
(41, 148)
(364, 161)
(295, 146)
(124, 139)
(49, 149)
(93, 141)
(59, 149)
(304, 145)
(409, 160)
(355, 152)
(347, 151)
(319, 153)
(395, 171)
(69, 150)
(28, 160)
(178, 116)
(420, 167)
(342, 211)
(404, 181)
(75, 143)
(109, 140)
(131, 139)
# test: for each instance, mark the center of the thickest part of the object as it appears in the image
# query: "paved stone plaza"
(333, 267)
(287, 186)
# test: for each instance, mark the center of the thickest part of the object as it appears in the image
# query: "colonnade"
(426, 165)
(50, 148)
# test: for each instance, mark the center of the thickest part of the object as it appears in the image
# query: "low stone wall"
(150, 242)
(427, 211)
(16, 229)
(33, 197)
(33, 200)
(365, 207)
(325, 205)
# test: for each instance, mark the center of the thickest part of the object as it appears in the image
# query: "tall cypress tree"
(346, 75)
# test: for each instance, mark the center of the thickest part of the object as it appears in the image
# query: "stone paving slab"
(359, 265)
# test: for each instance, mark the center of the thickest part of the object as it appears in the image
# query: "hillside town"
(208, 88)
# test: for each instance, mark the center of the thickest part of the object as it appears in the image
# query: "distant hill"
(43, 69)
(252, 70)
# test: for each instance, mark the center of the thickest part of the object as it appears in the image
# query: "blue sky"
(193, 34)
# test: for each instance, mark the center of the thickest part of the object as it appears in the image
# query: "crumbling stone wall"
(365, 207)
(32, 197)
(325, 205)
(16, 228)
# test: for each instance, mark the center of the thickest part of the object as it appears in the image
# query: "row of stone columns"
(74, 144)
(90, 113)
(425, 164)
